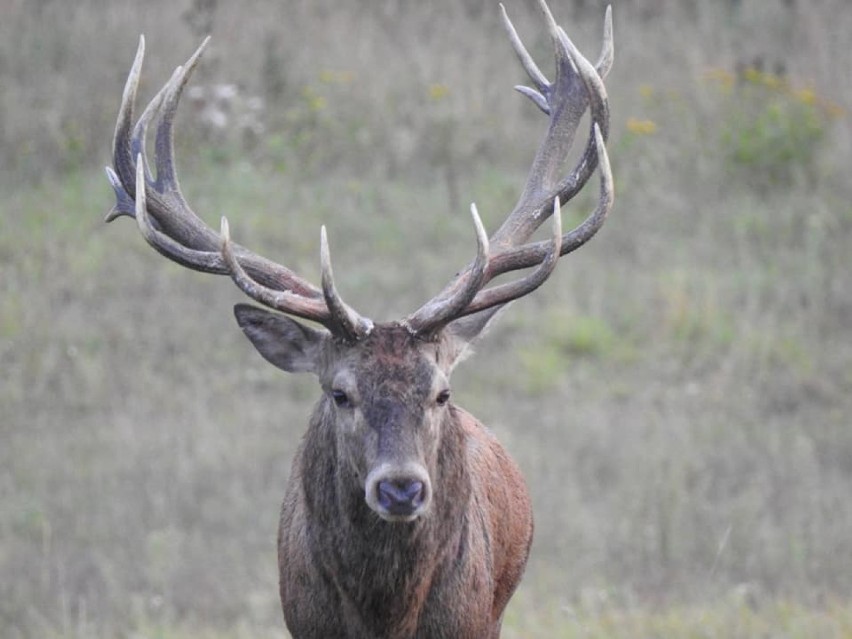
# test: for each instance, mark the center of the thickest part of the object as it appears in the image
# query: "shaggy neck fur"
(382, 571)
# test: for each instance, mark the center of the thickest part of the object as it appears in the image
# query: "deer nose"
(398, 492)
(400, 496)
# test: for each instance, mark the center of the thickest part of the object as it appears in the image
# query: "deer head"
(386, 385)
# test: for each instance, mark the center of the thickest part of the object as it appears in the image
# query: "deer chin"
(398, 494)
(398, 519)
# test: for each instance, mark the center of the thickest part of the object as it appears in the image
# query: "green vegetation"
(735, 618)
(678, 395)
(771, 130)
(726, 620)
(563, 341)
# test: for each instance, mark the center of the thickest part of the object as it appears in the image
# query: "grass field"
(679, 395)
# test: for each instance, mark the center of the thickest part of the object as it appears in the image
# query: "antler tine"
(122, 178)
(351, 325)
(164, 149)
(127, 147)
(284, 301)
(332, 312)
(504, 293)
(604, 63)
(536, 76)
(436, 313)
(140, 131)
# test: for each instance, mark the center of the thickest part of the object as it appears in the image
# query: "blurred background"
(679, 395)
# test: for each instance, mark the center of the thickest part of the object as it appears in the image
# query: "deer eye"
(340, 398)
(443, 397)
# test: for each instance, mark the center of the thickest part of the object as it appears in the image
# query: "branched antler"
(172, 228)
(150, 193)
(577, 85)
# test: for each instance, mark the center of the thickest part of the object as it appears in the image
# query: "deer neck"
(376, 566)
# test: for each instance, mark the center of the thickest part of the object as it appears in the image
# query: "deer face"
(387, 396)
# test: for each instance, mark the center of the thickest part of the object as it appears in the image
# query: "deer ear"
(468, 329)
(283, 342)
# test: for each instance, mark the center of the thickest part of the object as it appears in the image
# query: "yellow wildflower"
(438, 91)
(329, 76)
(722, 76)
(805, 96)
(641, 127)
(755, 76)
(315, 101)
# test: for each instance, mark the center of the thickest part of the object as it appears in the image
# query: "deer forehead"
(390, 361)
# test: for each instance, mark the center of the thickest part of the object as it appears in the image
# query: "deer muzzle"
(398, 493)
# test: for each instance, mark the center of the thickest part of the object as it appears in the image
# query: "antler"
(172, 228)
(167, 222)
(577, 85)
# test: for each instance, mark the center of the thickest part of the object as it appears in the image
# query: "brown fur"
(450, 575)
(347, 573)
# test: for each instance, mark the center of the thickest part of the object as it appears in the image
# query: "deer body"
(404, 518)
(447, 575)
(392, 561)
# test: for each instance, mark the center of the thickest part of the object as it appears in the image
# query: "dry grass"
(685, 382)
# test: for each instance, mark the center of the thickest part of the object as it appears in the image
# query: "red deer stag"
(403, 516)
